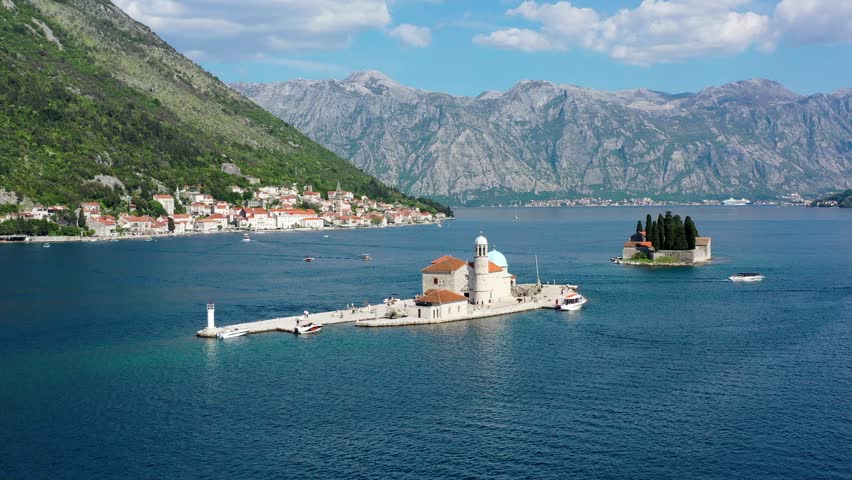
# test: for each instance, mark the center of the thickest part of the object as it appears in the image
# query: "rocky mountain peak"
(372, 80)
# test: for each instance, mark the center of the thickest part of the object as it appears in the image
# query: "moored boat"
(746, 277)
(309, 259)
(246, 237)
(570, 301)
(306, 328)
(237, 332)
(366, 257)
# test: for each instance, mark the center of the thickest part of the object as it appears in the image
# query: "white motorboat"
(746, 277)
(246, 237)
(366, 257)
(570, 301)
(325, 236)
(309, 259)
(46, 245)
(237, 332)
(733, 202)
(306, 328)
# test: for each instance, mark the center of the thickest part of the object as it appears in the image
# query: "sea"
(667, 373)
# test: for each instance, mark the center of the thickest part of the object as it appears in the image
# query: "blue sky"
(467, 46)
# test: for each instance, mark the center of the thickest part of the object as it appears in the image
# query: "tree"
(648, 224)
(680, 242)
(668, 243)
(156, 209)
(660, 231)
(639, 226)
(691, 232)
(171, 224)
(81, 219)
(649, 232)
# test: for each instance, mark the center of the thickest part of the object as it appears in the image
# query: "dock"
(378, 315)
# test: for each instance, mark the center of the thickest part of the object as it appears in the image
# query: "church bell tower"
(481, 291)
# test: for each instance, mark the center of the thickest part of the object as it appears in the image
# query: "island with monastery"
(453, 290)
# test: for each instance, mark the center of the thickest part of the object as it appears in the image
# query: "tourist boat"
(306, 328)
(571, 301)
(309, 259)
(746, 277)
(733, 202)
(237, 332)
(366, 257)
(246, 237)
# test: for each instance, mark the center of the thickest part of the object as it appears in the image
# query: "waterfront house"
(198, 209)
(221, 208)
(90, 209)
(103, 225)
(136, 225)
(207, 225)
(183, 222)
(312, 222)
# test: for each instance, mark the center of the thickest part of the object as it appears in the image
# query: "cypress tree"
(680, 242)
(648, 225)
(671, 233)
(639, 226)
(661, 232)
(649, 232)
(81, 219)
(691, 232)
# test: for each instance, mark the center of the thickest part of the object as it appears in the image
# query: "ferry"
(309, 259)
(246, 237)
(366, 257)
(746, 277)
(571, 301)
(733, 202)
(306, 328)
(237, 332)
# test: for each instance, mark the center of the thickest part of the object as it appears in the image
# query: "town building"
(167, 201)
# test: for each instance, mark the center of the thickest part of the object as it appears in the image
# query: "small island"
(666, 241)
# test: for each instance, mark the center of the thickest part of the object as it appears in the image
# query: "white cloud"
(229, 28)
(412, 35)
(814, 21)
(659, 31)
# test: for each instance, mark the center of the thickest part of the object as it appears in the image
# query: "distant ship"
(734, 202)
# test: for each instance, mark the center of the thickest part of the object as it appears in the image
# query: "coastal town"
(267, 208)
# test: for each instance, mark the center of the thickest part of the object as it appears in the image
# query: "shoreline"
(65, 239)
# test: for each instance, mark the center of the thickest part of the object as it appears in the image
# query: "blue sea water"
(667, 373)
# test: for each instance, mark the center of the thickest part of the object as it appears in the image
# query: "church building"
(483, 281)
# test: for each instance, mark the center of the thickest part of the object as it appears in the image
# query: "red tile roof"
(638, 244)
(438, 297)
(449, 265)
(492, 267)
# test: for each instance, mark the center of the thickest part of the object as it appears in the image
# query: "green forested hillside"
(86, 91)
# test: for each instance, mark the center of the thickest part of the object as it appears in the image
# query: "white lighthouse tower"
(211, 312)
(481, 290)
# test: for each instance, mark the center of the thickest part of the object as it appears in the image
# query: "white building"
(167, 201)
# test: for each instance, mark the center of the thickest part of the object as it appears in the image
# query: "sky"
(465, 47)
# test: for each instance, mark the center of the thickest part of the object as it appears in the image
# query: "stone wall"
(685, 256)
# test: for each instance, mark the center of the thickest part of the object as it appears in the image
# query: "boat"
(309, 259)
(733, 202)
(616, 259)
(325, 236)
(237, 332)
(246, 237)
(306, 328)
(46, 245)
(366, 257)
(570, 301)
(149, 239)
(571, 287)
(746, 277)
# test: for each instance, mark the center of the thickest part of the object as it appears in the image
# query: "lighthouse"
(481, 290)
(211, 313)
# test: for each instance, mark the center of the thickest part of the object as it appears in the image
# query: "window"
(435, 281)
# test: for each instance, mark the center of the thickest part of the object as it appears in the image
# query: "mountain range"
(95, 106)
(541, 140)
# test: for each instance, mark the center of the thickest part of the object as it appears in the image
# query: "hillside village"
(188, 210)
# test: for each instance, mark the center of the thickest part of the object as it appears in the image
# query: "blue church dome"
(498, 259)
